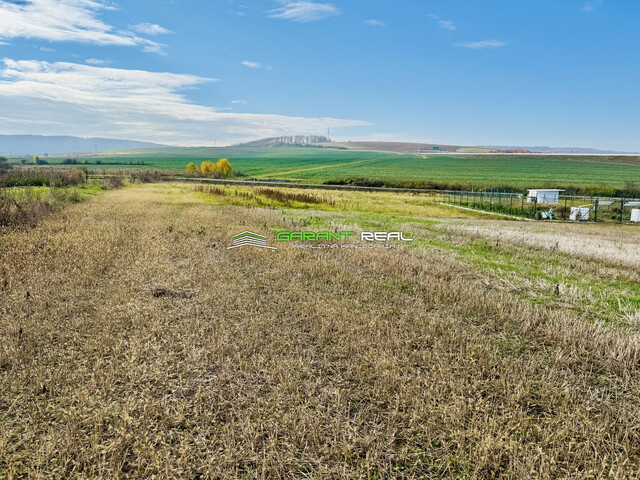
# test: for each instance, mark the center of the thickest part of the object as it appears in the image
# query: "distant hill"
(292, 141)
(406, 147)
(576, 150)
(40, 144)
(412, 147)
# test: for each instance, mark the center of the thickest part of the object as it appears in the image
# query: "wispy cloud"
(97, 61)
(303, 10)
(149, 29)
(249, 64)
(591, 5)
(68, 98)
(375, 23)
(443, 24)
(239, 102)
(65, 21)
(481, 45)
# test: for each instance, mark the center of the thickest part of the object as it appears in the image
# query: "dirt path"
(309, 169)
(134, 345)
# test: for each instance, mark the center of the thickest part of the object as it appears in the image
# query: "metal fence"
(498, 202)
(569, 207)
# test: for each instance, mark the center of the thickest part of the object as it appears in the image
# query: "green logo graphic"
(250, 239)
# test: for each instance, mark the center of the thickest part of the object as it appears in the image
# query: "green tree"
(36, 159)
(4, 163)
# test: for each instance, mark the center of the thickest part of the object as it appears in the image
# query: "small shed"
(635, 215)
(544, 195)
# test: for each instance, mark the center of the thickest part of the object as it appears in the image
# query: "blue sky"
(193, 72)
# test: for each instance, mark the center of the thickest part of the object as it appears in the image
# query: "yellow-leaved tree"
(207, 167)
(222, 168)
(192, 167)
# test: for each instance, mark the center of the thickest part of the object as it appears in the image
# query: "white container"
(544, 195)
(635, 215)
(579, 214)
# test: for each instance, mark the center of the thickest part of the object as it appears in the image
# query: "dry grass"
(25, 207)
(134, 345)
(608, 243)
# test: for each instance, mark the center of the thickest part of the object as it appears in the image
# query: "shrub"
(26, 208)
(288, 197)
(4, 164)
(113, 182)
(41, 177)
(211, 190)
(222, 168)
(144, 176)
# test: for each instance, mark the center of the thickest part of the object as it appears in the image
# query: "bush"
(113, 182)
(144, 176)
(4, 164)
(26, 208)
(288, 197)
(41, 177)
(222, 168)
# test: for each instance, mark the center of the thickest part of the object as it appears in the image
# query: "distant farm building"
(547, 195)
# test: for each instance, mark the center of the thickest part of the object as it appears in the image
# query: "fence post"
(621, 208)
(595, 211)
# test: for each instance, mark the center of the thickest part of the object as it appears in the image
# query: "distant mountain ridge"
(40, 144)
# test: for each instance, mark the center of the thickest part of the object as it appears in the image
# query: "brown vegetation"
(41, 177)
(28, 207)
(135, 345)
(284, 196)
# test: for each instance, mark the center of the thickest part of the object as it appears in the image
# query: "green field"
(320, 165)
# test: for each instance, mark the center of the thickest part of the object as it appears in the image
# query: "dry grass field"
(133, 344)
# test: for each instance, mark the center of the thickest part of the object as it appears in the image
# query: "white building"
(544, 195)
(635, 215)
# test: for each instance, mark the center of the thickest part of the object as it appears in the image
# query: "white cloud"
(65, 21)
(444, 24)
(375, 23)
(249, 64)
(303, 10)
(591, 6)
(149, 29)
(97, 61)
(447, 25)
(481, 45)
(83, 100)
(239, 102)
